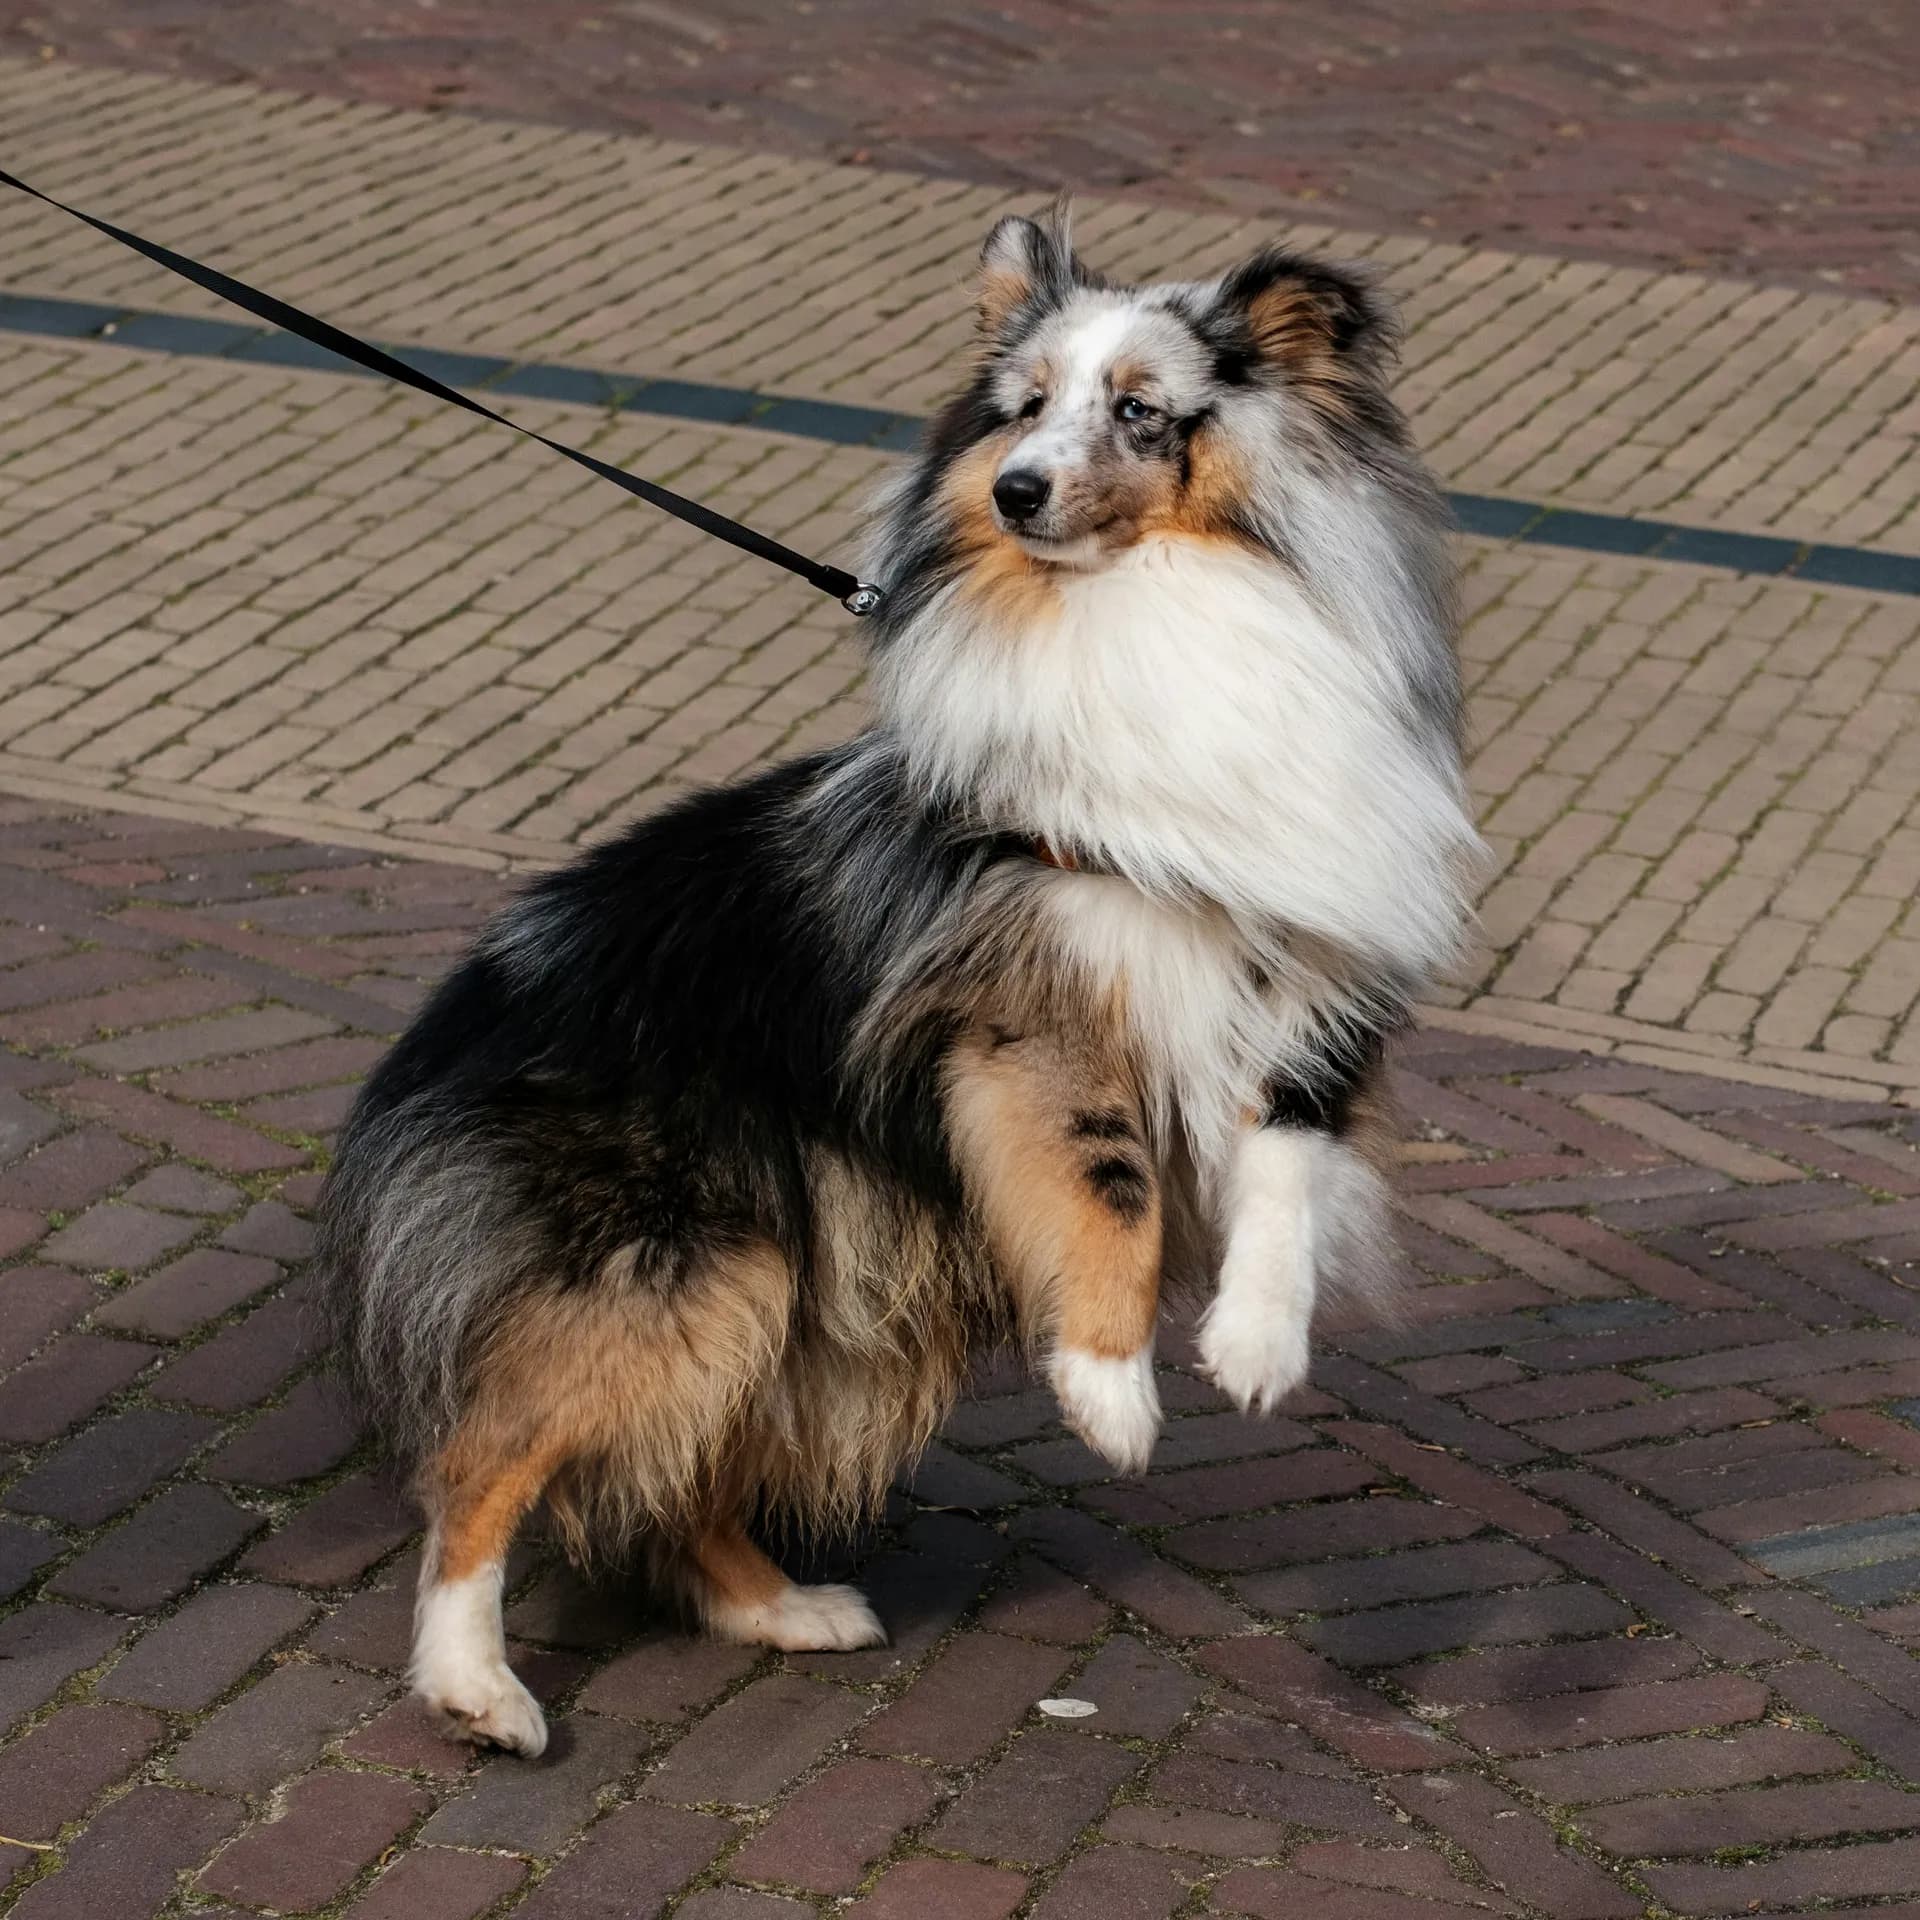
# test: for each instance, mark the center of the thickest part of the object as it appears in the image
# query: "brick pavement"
(1704, 400)
(250, 592)
(1750, 136)
(1590, 1591)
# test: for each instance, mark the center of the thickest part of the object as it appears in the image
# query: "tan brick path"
(302, 600)
(1713, 402)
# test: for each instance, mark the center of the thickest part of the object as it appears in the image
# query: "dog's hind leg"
(740, 1594)
(623, 1394)
(477, 1493)
(1053, 1149)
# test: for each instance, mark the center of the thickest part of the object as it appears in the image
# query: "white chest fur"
(1188, 716)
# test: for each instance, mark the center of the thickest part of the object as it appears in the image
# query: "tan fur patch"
(1000, 294)
(1083, 1271)
(1290, 327)
(1205, 508)
(1000, 574)
(618, 1399)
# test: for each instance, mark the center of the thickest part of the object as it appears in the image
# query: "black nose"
(1021, 494)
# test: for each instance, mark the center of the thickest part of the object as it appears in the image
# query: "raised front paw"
(1253, 1354)
(1113, 1405)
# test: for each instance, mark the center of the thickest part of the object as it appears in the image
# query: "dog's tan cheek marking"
(1207, 506)
(1000, 575)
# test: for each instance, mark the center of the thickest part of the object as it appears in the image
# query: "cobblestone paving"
(288, 597)
(1755, 136)
(1589, 1592)
(1708, 401)
(312, 603)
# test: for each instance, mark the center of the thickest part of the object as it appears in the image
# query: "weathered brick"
(1759, 1817)
(942, 1890)
(1204, 1492)
(36, 1302)
(128, 1861)
(1032, 1802)
(246, 1361)
(826, 1836)
(435, 1883)
(630, 1863)
(667, 1676)
(104, 1469)
(275, 1728)
(64, 1382)
(1114, 1883)
(196, 1288)
(747, 1749)
(1477, 1678)
(959, 1706)
(1515, 1849)
(1317, 1533)
(23, 1552)
(312, 1430)
(1435, 1626)
(330, 1827)
(195, 1655)
(527, 1810)
(1697, 1763)
(334, 1539)
(42, 1647)
(1141, 1694)
(1305, 1688)
(1614, 1713)
(113, 1235)
(1166, 1598)
(1270, 1893)
(159, 1552)
(51, 1776)
(741, 1903)
(1416, 1573)
(1851, 1873)
(1039, 1602)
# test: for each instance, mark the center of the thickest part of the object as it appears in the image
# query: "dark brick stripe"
(1527, 522)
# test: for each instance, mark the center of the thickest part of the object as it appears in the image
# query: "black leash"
(852, 593)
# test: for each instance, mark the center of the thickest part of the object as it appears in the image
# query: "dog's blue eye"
(1034, 402)
(1133, 409)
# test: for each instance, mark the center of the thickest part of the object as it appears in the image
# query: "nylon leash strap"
(854, 594)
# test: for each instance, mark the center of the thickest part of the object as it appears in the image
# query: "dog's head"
(1102, 414)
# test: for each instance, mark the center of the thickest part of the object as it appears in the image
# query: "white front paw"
(1254, 1354)
(1113, 1405)
(487, 1705)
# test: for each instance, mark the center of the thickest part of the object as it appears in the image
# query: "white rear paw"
(1255, 1355)
(805, 1620)
(1113, 1405)
(488, 1706)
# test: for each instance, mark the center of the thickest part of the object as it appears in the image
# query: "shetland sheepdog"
(694, 1190)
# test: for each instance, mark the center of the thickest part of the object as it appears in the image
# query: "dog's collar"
(1049, 855)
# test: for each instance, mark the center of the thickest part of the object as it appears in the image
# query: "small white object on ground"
(1068, 1709)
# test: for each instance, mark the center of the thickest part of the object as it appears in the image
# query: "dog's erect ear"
(1294, 309)
(1024, 263)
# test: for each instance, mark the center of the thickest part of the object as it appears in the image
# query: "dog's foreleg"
(1255, 1339)
(1301, 1207)
(1054, 1155)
